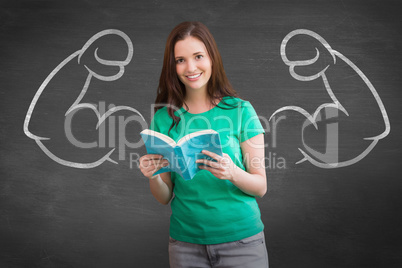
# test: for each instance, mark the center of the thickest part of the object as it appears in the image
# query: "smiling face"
(193, 64)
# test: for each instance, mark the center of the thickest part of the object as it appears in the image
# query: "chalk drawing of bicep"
(309, 154)
(77, 105)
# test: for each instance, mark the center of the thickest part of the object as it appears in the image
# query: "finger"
(155, 164)
(211, 154)
(161, 163)
(161, 160)
(149, 171)
(226, 160)
(151, 163)
(212, 170)
(150, 158)
(146, 165)
(208, 162)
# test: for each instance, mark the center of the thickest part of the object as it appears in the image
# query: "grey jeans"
(248, 252)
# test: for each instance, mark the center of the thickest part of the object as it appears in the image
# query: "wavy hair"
(171, 91)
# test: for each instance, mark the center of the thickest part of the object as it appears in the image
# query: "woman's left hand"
(223, 169)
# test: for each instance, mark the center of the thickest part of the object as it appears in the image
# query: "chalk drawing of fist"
(301, 70)
(90, 67)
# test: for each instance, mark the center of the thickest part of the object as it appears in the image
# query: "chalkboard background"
(52, 215)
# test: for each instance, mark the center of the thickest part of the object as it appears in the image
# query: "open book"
(183, 154)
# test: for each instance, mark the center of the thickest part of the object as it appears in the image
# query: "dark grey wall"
(53, 215)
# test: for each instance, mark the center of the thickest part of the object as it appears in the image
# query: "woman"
(215, 219)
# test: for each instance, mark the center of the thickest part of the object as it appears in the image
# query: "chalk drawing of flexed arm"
(308, 153)
(111, 66)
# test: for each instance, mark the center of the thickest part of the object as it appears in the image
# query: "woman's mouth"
(193, 77)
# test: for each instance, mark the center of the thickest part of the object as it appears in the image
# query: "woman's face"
(193, 65)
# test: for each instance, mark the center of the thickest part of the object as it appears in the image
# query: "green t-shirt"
(207, 210)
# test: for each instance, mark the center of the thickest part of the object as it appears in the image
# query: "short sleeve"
(154, 123)
(250, 123)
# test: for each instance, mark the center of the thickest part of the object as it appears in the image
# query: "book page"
(161, 136)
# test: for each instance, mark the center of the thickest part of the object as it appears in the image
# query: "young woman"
(215, 219)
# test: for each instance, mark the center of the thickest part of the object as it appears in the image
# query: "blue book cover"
(183, 153)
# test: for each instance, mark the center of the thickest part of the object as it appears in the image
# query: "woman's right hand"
(151, 163)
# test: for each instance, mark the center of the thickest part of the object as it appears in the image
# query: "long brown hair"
(171, 91)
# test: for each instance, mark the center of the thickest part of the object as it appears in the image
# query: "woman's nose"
(191, 67)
